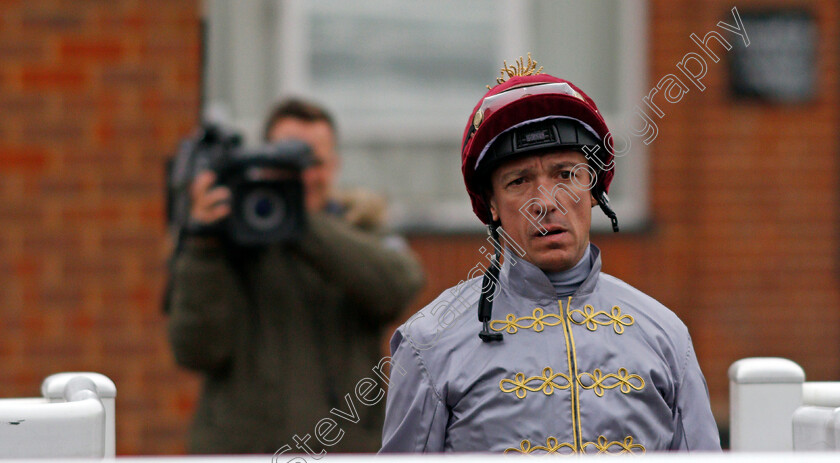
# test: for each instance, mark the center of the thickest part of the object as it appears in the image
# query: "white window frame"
(632, 205)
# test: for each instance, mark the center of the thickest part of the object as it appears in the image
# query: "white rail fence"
(773, 408)
(73, 418)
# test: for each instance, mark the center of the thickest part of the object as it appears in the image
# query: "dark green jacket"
(288, 337)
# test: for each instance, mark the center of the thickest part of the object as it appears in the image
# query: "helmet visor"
(492, 103)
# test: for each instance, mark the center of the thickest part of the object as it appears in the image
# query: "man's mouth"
(550, 230)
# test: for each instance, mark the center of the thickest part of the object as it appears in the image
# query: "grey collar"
(567, 282)
(522, 278)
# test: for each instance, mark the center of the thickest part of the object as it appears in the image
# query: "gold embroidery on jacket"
(589, 318)
(551, 446)
(596, 381)
(623, 379)
(545, 383)
(604, 446)
(537, 322)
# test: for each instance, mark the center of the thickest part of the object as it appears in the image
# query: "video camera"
(267, 203)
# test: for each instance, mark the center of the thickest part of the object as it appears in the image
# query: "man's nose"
(538, 205)
(545, 188)
(558, 194)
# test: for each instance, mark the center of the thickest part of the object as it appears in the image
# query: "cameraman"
(282, 333)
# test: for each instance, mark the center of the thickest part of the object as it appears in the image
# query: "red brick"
(61, 186)
(53, 79)
(122, 240)
(66, 351)
(127, 347)
(131, 77)
(21, 51)
(104, 214)
(141, 296)
(166, 51)
(188, 78)
(134, 187)
(34, 325)
(26, 267)
(73, 50)
(135, 22)
(91, 158)
(52, 21)
(153, 213)
(101, 104)
(116, 132)
(82, 323)
(16, 105)
(76, 265)
(52, 241)
(21, 213)
(55, 131)
(65, 297)
(28, 159)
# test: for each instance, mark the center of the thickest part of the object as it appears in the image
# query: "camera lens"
(263, 209)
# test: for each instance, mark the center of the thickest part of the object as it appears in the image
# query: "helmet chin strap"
(488, 287)
(604, 203)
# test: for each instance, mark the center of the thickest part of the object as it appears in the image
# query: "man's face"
(515, 183)
(318, 179)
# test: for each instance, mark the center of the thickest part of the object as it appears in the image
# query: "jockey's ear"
(493, 210)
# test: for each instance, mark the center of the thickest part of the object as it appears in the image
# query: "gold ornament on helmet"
(519, 68)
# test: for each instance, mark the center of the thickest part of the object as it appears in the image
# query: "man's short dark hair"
(300, 109)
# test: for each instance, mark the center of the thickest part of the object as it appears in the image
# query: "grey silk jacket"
(607, 370)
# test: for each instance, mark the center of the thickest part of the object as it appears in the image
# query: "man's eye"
(565, 174)
(518, 181)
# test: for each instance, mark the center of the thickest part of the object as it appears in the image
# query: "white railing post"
(53, 389)
(72, 425)
(763, 394)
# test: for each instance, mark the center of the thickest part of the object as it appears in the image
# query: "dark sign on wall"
(779, 65)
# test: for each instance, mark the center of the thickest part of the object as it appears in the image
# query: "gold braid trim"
(521, 68)
(604, 446)
(537, 322)
(589, 318)
(551, 446)
(623, 379)
(545, 383)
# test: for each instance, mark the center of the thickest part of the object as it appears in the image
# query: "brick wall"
(94, 95)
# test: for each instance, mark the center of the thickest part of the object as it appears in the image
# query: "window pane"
(579, 41)
(381, 64)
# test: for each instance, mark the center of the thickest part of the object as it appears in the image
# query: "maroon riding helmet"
(530, 114)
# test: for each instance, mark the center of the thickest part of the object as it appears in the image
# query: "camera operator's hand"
(209, 204)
